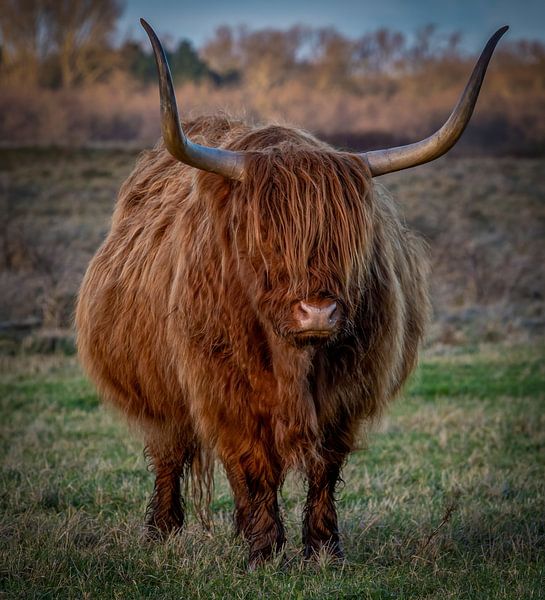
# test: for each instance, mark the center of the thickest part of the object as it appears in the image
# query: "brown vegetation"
(359, 93)
(50, 43)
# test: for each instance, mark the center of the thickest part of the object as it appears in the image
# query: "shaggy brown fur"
(185, 320)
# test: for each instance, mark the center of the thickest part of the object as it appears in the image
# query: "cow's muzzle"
(315, 318)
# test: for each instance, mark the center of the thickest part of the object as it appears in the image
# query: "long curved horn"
(403, 157)
(223, 162)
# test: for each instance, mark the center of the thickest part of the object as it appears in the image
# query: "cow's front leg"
(255, 476)
(320, 528)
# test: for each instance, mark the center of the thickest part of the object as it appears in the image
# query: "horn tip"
(500, 32)
(151, 34)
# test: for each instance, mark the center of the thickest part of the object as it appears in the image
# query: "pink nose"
(317, 316)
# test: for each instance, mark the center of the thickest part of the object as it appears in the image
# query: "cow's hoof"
(267, 554)
(329, 552)
(158, 530)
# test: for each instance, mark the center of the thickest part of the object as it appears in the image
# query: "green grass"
(446, 499)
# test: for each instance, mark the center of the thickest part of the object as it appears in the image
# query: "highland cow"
(256, 301)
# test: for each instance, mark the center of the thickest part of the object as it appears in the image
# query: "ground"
(445, 499)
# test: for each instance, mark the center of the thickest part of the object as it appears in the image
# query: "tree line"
(70, 43)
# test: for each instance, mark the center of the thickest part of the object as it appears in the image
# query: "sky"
(476, 19)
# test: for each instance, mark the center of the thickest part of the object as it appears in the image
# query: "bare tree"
(221, 52)
(381, 51)
(74, 34)
(270, 55)
(264, 58)
(24, 38)
(80, 31)
(333, 59)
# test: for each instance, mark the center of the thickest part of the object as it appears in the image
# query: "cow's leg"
(320, 528)
(255, 476)
(169, 452)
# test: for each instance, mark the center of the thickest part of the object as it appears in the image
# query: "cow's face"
(299, 218)
(301, 229)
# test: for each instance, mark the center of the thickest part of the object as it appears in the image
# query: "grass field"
(446, 501)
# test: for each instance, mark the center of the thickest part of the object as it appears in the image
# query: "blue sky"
(476, 19)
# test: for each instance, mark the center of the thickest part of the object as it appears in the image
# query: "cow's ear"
(216, 188)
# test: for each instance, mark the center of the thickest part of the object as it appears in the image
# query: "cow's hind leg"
(255, 476)
(170, 453)
(320, 528)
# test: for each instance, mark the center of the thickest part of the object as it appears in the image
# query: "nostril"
(333, 313)
(317, 315)
(327, 310)
(303, 308)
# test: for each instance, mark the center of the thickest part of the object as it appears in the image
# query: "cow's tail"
(201, 483)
